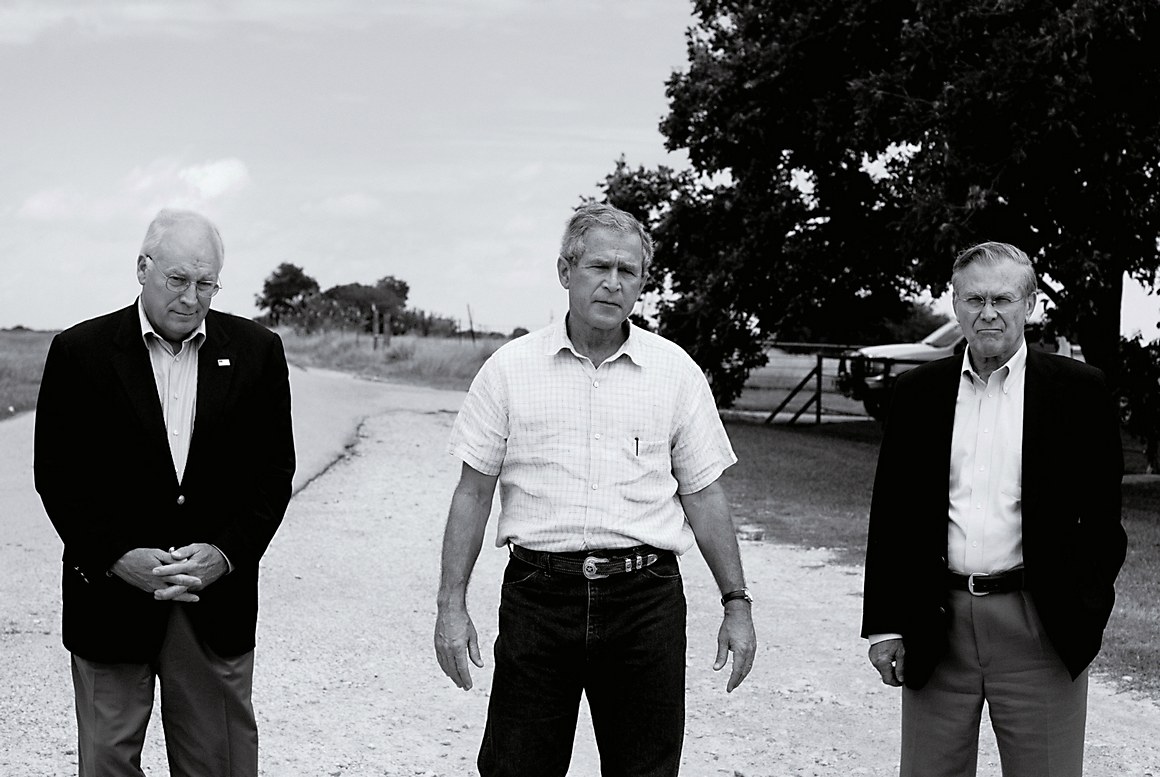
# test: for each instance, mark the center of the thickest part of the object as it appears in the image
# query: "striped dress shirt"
(176, 378)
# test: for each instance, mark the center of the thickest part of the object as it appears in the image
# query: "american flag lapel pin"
(223, 362)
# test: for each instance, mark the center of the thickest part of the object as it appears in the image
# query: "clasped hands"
(172, 575)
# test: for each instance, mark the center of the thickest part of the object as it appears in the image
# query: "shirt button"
(181, 499)
(595, 384)
(176, 432)
(596, 436)
(594, 486)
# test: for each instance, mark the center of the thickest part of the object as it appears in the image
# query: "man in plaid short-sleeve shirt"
(607, 447)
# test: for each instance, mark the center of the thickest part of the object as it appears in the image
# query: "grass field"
(810, 485)
(22, 353)
(803, 485)
(430, 361)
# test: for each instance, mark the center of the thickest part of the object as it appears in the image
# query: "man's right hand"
(888, 657)
(455, 642)
(136, 568)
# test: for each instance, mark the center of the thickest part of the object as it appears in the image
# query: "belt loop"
(547, 565)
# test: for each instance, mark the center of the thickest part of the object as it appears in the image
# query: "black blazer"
(1073, 541)
(106, 477)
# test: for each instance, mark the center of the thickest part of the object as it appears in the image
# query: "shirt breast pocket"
(648, 467)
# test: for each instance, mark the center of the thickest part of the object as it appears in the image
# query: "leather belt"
(981, 585)
(593, 564)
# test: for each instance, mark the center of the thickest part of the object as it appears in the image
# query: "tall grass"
(432, 361)
(22, 353)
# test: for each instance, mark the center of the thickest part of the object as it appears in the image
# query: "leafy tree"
(843, 151)
(285, 291)
(1141, 396)
(388, 295)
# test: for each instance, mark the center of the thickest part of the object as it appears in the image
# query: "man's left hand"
(199, 559)
(736, 634)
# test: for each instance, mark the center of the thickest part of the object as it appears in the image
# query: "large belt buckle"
(971, 584)
(589, 568)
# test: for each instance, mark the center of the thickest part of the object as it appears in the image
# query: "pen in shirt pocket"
(636, 441)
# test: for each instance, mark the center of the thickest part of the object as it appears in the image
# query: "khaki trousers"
(998, 654)
(205, 710)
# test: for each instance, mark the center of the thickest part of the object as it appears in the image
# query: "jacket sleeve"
(60, 461)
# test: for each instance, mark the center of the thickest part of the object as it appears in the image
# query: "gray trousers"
(205, 710)
(998, 654)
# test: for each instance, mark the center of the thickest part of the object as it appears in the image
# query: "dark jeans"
(620, 640)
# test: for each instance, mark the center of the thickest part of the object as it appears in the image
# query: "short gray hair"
(601, 215)
(167, 218)
(994, 253)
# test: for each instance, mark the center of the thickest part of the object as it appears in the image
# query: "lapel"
(1037, 409)
(132, 365)
(940, 420)
(216, 367)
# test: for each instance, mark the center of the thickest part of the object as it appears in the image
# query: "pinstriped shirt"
(176, 378)
(592, 457)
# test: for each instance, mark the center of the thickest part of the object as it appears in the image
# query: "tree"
(285, 291)
(1141, 396)
(843, 151)
(388, 295)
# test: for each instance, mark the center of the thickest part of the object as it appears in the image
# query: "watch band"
(740, 593)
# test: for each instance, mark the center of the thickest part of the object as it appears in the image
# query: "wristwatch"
(740, 593)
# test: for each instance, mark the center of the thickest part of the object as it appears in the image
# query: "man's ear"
(141, 265)
(564, 271)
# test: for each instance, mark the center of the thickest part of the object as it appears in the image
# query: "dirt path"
(346, 682)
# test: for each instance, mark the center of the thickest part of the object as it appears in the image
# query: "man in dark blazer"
(164, 456)
(995, 537)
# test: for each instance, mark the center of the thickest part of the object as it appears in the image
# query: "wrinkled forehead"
(1002, 276)
(189, 247)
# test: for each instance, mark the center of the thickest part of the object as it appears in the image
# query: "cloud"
(214, 179)
(354, 205)
(142, 191)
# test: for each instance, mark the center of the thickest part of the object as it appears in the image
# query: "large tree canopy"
(843, 151)
(285, 291)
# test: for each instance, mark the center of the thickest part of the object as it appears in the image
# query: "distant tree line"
(292, 298)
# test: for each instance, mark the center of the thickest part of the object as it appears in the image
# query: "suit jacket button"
(181, 499)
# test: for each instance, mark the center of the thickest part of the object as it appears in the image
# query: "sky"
(443, 142)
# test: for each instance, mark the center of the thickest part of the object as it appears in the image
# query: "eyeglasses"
(179, 283)
(1002, 303)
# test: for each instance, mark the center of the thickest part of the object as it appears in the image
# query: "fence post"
(375, 326)
(818, 406)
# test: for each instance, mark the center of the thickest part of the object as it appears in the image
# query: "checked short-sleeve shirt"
(592, 456)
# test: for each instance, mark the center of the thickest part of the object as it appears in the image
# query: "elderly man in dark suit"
(164, 456)
(995, 537)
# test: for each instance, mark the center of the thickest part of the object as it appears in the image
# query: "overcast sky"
(443, 142)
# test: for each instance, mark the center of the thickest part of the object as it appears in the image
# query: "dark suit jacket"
(1073, 541)
(106, 477)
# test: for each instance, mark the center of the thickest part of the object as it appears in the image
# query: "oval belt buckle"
(590, 569)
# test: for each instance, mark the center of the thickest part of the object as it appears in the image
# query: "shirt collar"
(558, 340)
(1010, 373)
(147, 328)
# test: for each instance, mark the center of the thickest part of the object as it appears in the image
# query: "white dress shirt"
(176, 378)
(985, 531)
(592, 456)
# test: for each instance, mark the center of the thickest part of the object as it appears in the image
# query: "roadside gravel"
(346, 681)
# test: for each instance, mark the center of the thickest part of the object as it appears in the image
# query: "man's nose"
(189, 296)
(612, 279)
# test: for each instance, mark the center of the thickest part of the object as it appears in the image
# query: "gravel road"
(346, 682)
